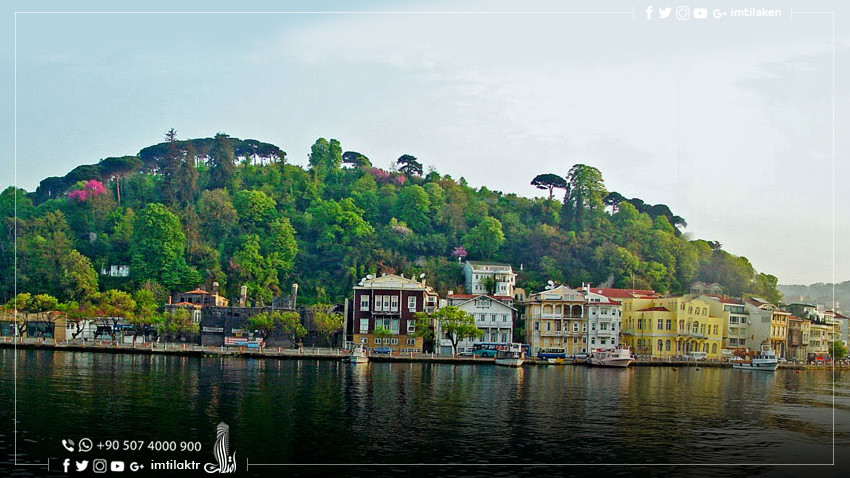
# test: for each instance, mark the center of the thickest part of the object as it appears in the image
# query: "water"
(452, 418)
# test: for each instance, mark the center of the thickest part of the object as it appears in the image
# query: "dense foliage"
(186, 213)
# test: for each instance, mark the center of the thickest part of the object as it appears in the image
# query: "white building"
(493, 316)
(603, 319)
(501, 277)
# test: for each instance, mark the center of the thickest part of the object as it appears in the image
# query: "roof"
(483, 263)
(836, 314)
(197, 291)
(654, 309)
(725, 300)
(393, 282)
(625, 293)
(466, 298)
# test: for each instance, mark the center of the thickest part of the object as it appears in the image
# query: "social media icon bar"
(116, 466)
(683, 13)
(700, 13)
(99, 466)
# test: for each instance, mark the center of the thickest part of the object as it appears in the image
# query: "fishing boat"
(764, 360)
(620, 356)
(512, 355)
(358, 354)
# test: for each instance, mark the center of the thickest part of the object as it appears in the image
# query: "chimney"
(215, 288)
(293, 296)
(169, 300)
(243, 296)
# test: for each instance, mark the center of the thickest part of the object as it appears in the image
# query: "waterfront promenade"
(324, 353)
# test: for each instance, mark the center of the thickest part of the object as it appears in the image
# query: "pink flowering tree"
(91, 189)
(460, 253)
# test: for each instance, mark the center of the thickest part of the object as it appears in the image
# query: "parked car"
(580, 356)
(382, 350)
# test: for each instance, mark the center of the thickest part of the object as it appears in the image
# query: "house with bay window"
(392, 302)
(494, 316)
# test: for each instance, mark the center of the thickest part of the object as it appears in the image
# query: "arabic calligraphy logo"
(226, 463)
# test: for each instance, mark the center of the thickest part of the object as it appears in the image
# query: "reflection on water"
(283, 411)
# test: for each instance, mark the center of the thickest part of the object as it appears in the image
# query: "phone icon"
(69, 445)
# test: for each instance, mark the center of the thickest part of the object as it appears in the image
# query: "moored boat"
(765, 360)
(620, 356)
(511, 356)
(358, 354)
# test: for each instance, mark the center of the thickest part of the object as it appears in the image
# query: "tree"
(456, 325)
(585, 193)
(264, 323)
(222, 162)
(157, 251)
(327, 322)
(485, 239)
(409, 165)
(117, 168)
(356, 159)
(44, 307)
(254, 207)
(413, 207)
(292, 327)
(112, 306)
(145, 314)
(187, 180)
(549, 181)
(177, 324)
(837, 350)
(79, 279)
(255, 271)
(325, 156)
(218, 216)
(282, 246)
(424, 329)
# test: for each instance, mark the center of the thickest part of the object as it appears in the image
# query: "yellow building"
(671, 326)
(779, 331)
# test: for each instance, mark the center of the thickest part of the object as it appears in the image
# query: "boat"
(358, 354)
(512, 355)
(764, 360)
(556, 361)
(620, 356)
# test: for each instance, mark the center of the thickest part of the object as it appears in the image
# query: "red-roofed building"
(494, 316)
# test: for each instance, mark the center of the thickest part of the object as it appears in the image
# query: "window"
(668, 324)
(660, 345)
(603, 326)
(394, 341)
(364, 340)
(640, 324)
(504, 336)
(394, 326)
(537, 326)
(660, 324)
(715, 330)
(683, 307)
(667, 346)
(379, 304)
(575, 326)
(714, 348)
(411, 327)
(364, 302)
(492, 317)
(394, 303)
(411, 303)
(377, 341)
(505, 318)
(575, 340)
(584, 327)
(603, 340)
(364, 326)
(411, 341)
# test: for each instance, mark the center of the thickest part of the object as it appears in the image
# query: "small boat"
(358, 354)
(556, 361)
(620, 356)
(511, 356)
(763, 360)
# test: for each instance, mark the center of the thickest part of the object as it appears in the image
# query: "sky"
(728, 121)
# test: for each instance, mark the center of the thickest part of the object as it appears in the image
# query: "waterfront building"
(668, 327)
(768, 326)
(799, 332)
(701, 288)
(494, 316)
(843, 325)
(489, 278)
(200, 298)
(819, 340)
(736, 318)
(603, 320)
(392, 302)
(555, 318)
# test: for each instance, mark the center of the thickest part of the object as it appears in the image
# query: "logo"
(116, 466)
(664, 12)
(683, 13)
(85, 445)
(69, 445)
(82, 465)
(65, 465)
(225, 462)
(700, 13)
(649, 12)
(98, 466)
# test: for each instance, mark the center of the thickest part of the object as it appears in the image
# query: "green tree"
(255, 271)
(485, 239)
(222, 162)
(456, 325)
(382, 333)
(79, 279)
(218, 216)
(158, 248)
(187, 181)
(409, 165)
(325, 156)
(423, 328)
(283, 246)
(327, 322)
(550, 182)
(293, 329)
(177, 324)
(413, 207)
(112, 306)
(837, 350)
(264, 323)
(146, 313)
(254, 207)
(585, 194)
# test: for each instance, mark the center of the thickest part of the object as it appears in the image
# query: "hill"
(187, 213)
(819, 293)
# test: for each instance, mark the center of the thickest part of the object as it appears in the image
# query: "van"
(696, 356)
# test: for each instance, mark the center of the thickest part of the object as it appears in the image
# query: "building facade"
(736, 320)
(391, 302)
(603, 320)
(494, 317)
(489, 278)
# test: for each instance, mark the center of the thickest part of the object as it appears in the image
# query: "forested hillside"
(819, 293)
(185, 213)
